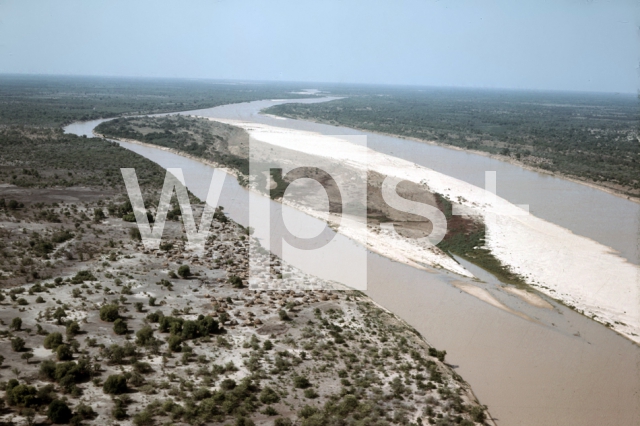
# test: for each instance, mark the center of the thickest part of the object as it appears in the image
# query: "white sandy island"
(573, 269)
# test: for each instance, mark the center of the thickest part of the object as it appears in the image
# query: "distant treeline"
(589, 136)
(52, 101)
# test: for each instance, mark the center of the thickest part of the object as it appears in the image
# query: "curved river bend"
(559, 369)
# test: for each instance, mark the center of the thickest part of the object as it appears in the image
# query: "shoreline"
(558, 285)
(380, 248)
(581, 273)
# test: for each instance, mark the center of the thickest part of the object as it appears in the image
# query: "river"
(559, 367)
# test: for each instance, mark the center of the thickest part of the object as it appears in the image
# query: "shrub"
(174, 343)
(17, 344)
(301, 382)
(16, 324)
(283, 315)
(144, 336)
(120, 327)
(53, 340)
(184, 271)
(64, 353)
(85, 411)
(310, 393)
(59, 412)
(155, 316)
(227, 384)
(59, 314)
(115, 385)
(134, 233)
(235, 281)
(20, 395)
(83, 276)
(109, 313)
(282, 421)
(143, 418)
(138, 306)
(73, 329)
(269, 396)
(477, 414)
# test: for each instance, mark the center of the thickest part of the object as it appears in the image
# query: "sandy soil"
(487, 297)
(530, 298)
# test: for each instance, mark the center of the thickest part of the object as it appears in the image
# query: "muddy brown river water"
(558, 367)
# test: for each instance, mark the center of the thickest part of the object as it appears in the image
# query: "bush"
(269, 396)
(144, 336)
(310, 393)
(59, 412)
(115, 385)
(235, 281)
(17, 344)
(301, 382)
(243, 421)
(282, 421)
(134, 233)
(85, 411)
(16, 324)
(174, 343)
(52, 341)
(477, 414)
(73, 329)
(184, 271)
(109, 313)
(83, 276)
(64, 353)
(120, 327)
(20, 395)
(283, 315)
(143, 418)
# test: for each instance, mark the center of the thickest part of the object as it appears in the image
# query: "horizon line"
(252, 81)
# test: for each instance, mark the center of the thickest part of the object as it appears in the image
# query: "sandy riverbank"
(573, 269)
(618, 192)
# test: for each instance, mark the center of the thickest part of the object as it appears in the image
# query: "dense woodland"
(593, 137)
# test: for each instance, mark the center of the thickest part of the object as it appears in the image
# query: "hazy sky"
(533, 44)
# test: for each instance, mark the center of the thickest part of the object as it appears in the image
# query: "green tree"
(120, 327)
(269, 396)
(73, 329)
(109, 313)
(59, 314)
(17, 344)
(115, 384)
(16, 324)
(59, 412)
(184, 271)
(52, 341)
(27, 356)
(64, 353)
(144, 336)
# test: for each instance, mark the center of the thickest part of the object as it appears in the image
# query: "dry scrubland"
(97, 330)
